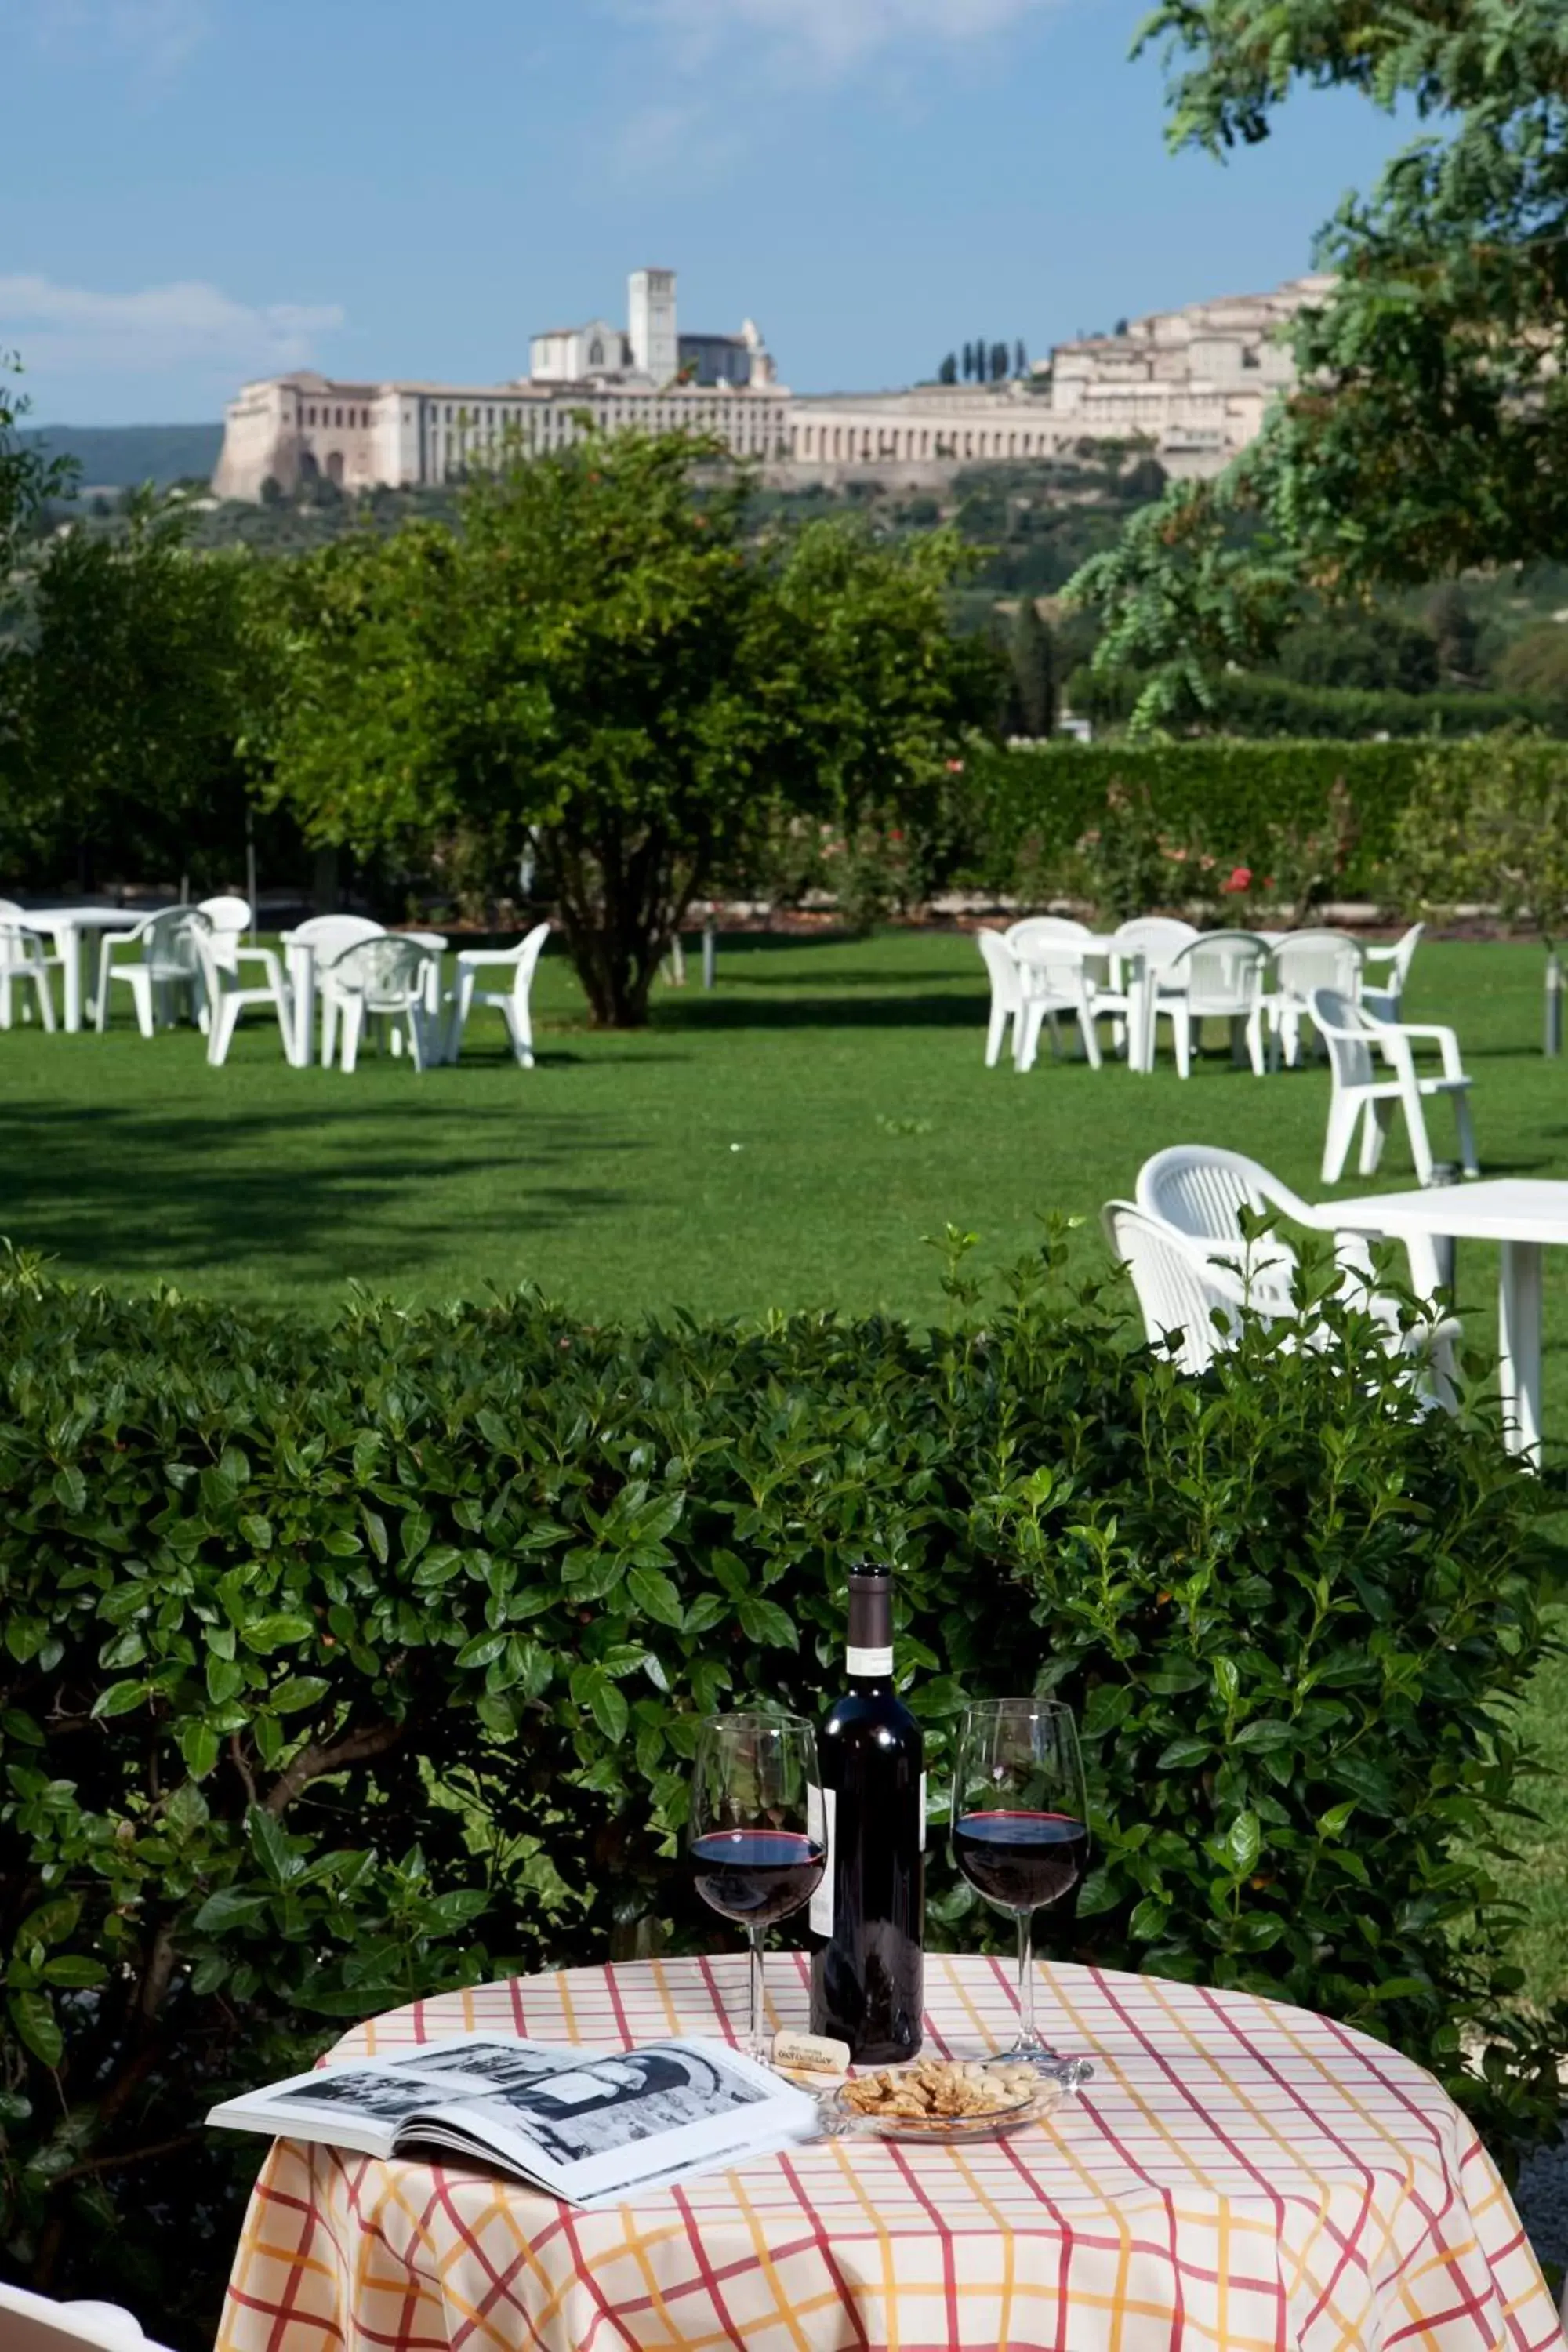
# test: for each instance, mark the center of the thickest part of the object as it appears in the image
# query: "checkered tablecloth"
(1239, 2175)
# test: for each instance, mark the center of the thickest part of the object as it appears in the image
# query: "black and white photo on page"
(610, 2103)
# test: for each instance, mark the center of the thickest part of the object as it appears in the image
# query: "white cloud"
(155, 36)
(68, 329)
(826, 37)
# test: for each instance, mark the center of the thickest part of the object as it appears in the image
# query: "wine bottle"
(866, 1966)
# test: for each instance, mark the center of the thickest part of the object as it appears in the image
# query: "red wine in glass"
(756, 1877)
(749, 1837)
(1021, 1861)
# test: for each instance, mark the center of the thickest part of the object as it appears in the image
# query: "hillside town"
(1191, 384)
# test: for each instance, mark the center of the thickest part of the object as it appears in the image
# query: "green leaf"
(765, 1622)
(230, 1906)
(119, 1698)
(656, 1595)
(70, 1488)
(33, 2015)
(269, 1634)
(300, 1691)
(609, 1710)
(1244, 1843)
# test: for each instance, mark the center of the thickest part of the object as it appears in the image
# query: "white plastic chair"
(227, 997)
(1383, 1002)
(1007, 994)
(1180, 1289)
(49, 960)
(1158, 939)
(1202, 1191)
(167, 967)
(36, 2323)
(383, 981)
(1183, 1280)
(1304, 960)
(1054, 979)
(1219, 975)
(23, 964)
(327, 936)
(511, 1003)
(1356, 1044)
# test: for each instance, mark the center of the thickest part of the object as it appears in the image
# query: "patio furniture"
(511, 1003)
(1042, 931)
(307, 950)
(1525, 1216)
(1382, 999)
(380, 982)
(24, 965)
(1304, 960)
(1243, 2174)
(36, 2323)
(1181, 1289)
(69, 927)
(1054, 979)
(1006, 995)
(1219, 975)
(227, 997)
(230, 920)
(1356, 1044)
(166, 968)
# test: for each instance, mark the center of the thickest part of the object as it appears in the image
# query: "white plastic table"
(1140, 995)
(1525, 1214)
(68, 927)
(300, 957)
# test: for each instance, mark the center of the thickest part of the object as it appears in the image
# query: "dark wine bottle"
(866, 1966)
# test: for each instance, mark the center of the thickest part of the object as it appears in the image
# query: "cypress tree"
(1033, 662)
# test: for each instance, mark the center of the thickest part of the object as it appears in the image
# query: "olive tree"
(606, 666)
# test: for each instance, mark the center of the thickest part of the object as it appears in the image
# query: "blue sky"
(202, 190)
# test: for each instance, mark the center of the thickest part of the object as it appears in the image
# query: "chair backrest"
(1202, 1192)
(331, 934)
(36, 2322)
(1309, 959)
(1404, 957)
(527, 956)
(11, 907)
(226, 913)
(1156, 938)
(1178, 1290)
(1042, 932)
(386, 971)
(1223, 969)
(168, 941)
(1346, 1031)
(17, 944)
(1001, 966)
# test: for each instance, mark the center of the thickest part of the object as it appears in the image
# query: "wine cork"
(811, 2053)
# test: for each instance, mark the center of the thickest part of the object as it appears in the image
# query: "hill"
(116, 456)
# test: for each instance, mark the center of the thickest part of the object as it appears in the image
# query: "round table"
(1239, 2176)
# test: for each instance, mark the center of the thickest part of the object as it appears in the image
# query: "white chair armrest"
(1445, 1039)
(269, 961)
(470, 959)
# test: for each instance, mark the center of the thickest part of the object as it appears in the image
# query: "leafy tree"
(1371, 651)
(1536, 662)
(1032, 658)
(1433, 394)
(998, 362)
(948, 372)
(1020, 358)
(1457, 635)
(142, 672)
(609, 670)
(29, 479)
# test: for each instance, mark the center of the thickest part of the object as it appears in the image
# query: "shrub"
(344, 1663)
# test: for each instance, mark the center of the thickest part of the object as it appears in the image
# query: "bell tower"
(656, 344)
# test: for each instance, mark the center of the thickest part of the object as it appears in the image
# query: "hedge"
(1218, 803)
(1248, 704)
(344, 1663)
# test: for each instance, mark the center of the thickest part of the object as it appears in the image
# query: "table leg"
(70, 941)
(1518, 1345)
(302, 994)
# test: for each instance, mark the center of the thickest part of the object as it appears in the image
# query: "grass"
(786, 1141)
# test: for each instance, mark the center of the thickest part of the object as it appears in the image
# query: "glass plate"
(944, 2131)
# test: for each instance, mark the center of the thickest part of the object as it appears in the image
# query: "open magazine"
(589, 2126)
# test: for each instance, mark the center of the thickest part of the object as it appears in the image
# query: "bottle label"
(821, 1804)
(922, 1813)
(877, 1664)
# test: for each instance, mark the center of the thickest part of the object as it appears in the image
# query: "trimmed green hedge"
(344, 1663)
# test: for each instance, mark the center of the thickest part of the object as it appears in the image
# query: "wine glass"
(1020, 1833)
(756, 1849)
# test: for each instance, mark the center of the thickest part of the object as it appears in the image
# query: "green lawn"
(786, 1141)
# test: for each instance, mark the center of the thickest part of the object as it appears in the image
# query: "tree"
(1536, 662)
(968, 362)
(1457, 636)
(998, 362)
(607, 667)
(948, 372)
(1432, 392)
(1020, 359)
(1032, 658)
(142, 672)
(1373, 651)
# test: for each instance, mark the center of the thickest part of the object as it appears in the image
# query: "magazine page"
(362, 2103)
(633, 2120)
